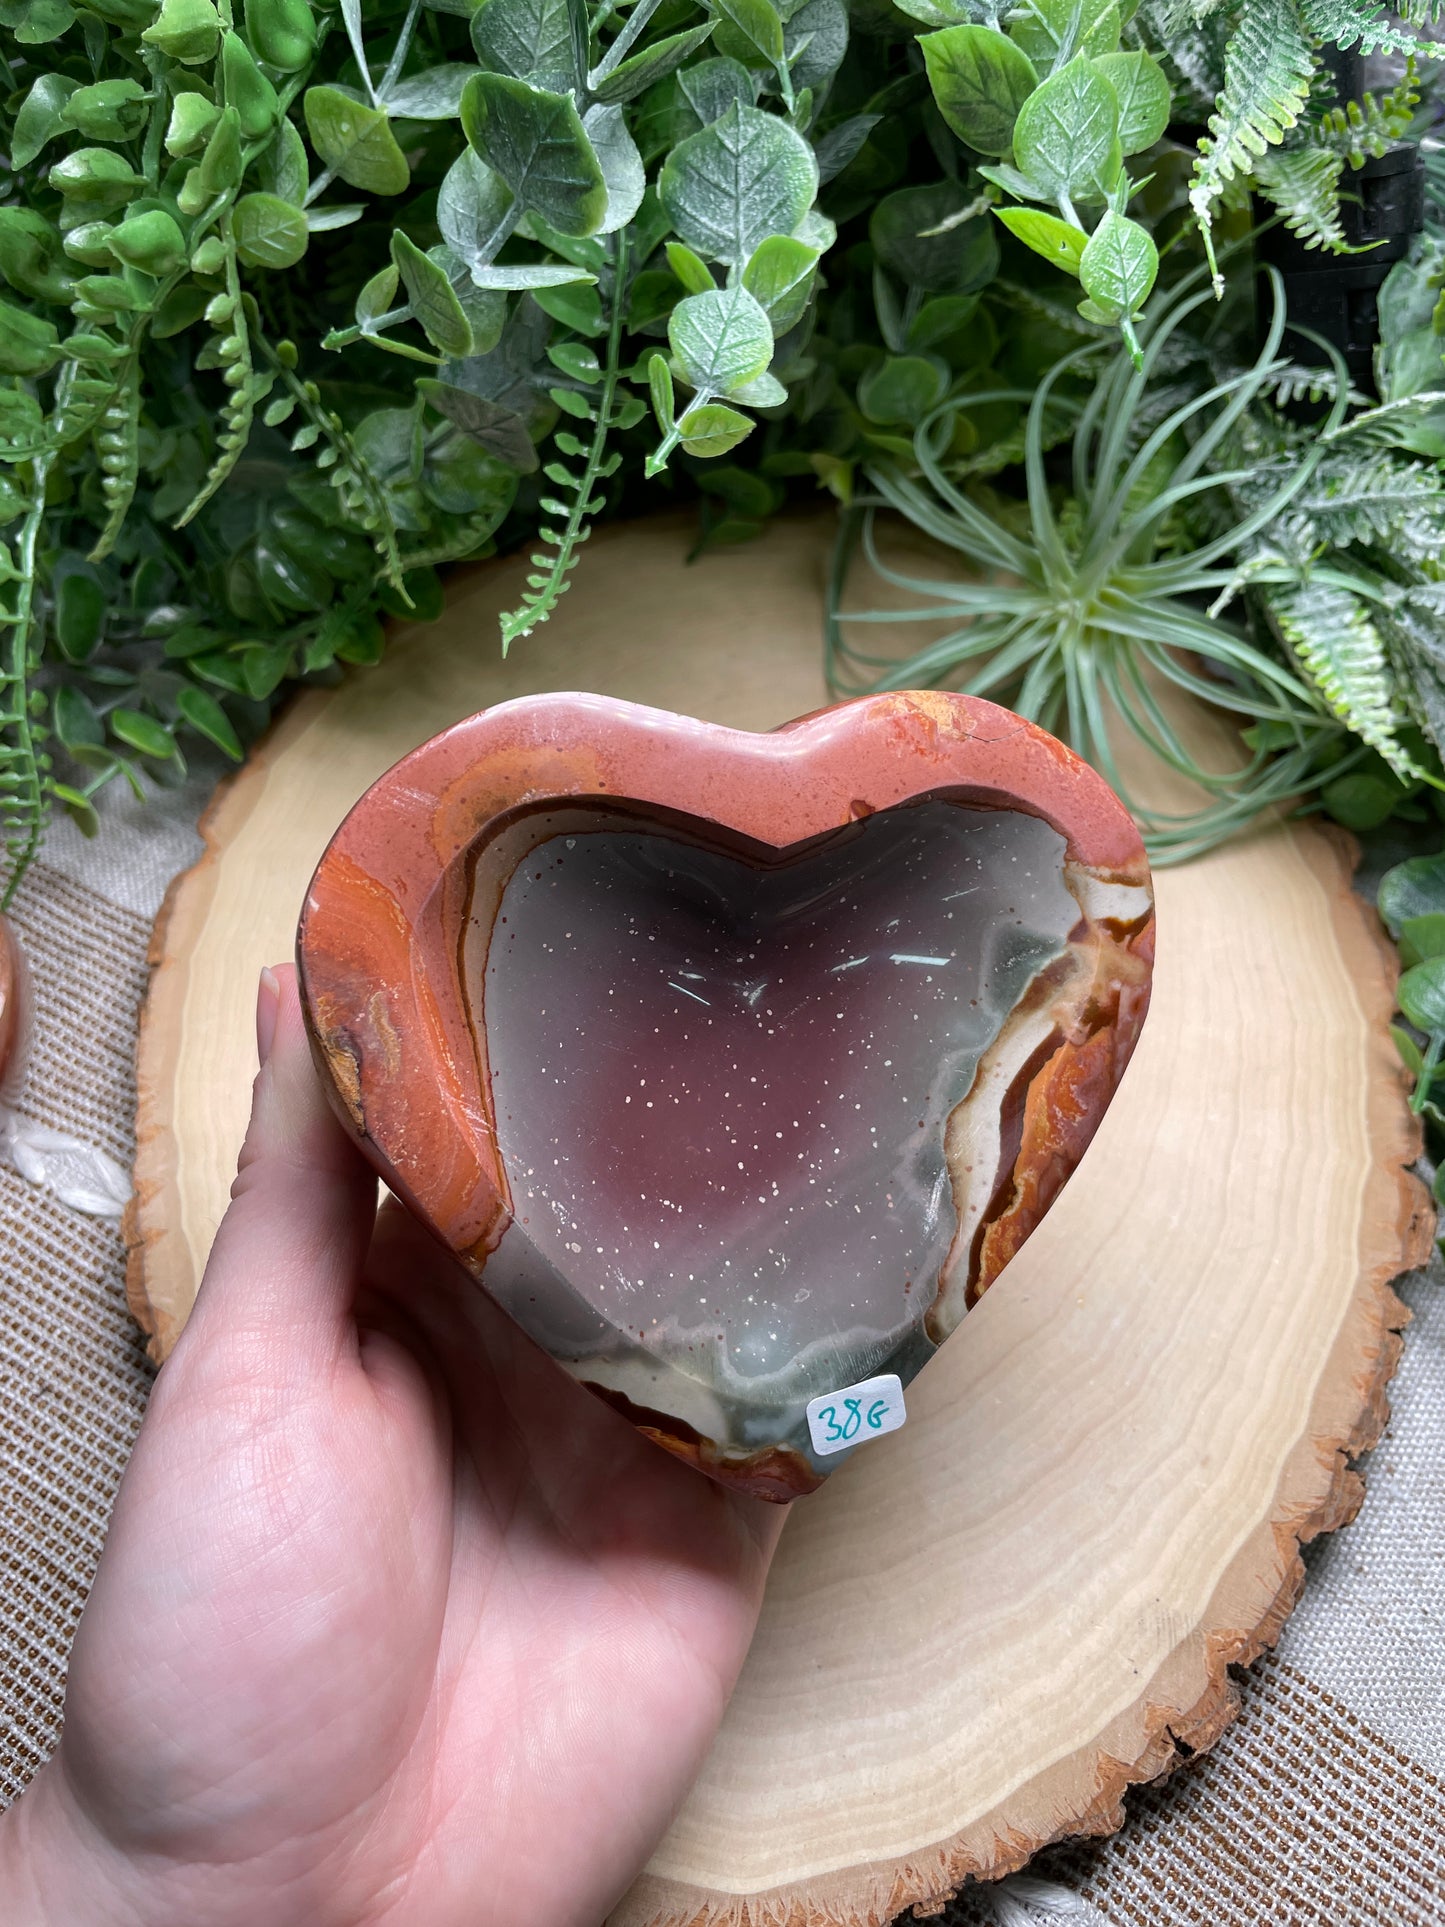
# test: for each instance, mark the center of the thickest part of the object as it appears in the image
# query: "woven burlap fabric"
(1322, 1806)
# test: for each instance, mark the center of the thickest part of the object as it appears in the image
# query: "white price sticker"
(857, 1412)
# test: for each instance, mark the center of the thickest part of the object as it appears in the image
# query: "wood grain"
(990, 1623)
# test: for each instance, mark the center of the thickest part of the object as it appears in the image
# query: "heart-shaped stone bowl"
(735, 1067)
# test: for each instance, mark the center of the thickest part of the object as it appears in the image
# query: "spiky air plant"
(1087, 622)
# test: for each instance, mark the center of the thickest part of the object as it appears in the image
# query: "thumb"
(284, 1268)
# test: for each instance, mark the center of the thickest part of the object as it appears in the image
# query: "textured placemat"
(1322, 1806)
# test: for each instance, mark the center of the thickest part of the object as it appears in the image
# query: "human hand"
(395, 1624)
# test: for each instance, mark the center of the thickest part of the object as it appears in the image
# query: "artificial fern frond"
(1374, 499)
(1421, 13)
(1347, 23)
(1304, 184)
(1362, 130)
(1343, 654)
(1267, 69)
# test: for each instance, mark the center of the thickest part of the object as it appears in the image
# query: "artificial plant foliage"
(303, 301)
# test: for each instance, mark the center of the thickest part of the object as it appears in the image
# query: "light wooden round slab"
(990, 1623)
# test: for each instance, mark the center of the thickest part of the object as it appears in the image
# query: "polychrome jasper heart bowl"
(735, 1067)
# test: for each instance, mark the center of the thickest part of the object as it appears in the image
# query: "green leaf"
(620, 162)
(110, 110)
(758, 22)
(491, 424)
(269, 232)
(980, 80)
(433, 298)
(643, 70)
(472, 205)
(355, 140)
(932, 238)
(517, 275)
(1422, 937)
(659, 382)
(141, 732)
(747, 176)
(1066, 137)
(283, 169)
(75, 719)
(779, 277)
(30, 255)
(41, 21)
(1142, 90)
(1414, 888)
(29, 345)
(542, 41)
(1057, 241)
(722, 339)
(41, 117)
(376, 297)
(711, 430)
(534, 140)
(815, 39)
(691, 270)
(1054, 32)
(902, 389)
(206, 716)
(434, 94)
(1421, 994)
(1118, 266)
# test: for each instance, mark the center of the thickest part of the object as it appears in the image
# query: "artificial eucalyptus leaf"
(1414, 888)
(1420, 993)
(840, 146)
(779, 276)
(1422, 937)
(943, 13)
(356, 140)
(815, 39)
(535, 141)
(729, 187)
(980, 80)
(491, 424)
(1118, 266)
(929, 238)
(621, 165)
(722, 339)
(689, 268)
(283, 169)
(713, 429)
(712, 86)
(543, 41)
(517, 275)
(756, 23)
(1057, 241)
(642, 70)
(435, 94)
(1054, 32)
(903, 388)
(319, 220)
(1066, 137)
(1142, 90)
(269, 232)
(433, 299)
(472, 204)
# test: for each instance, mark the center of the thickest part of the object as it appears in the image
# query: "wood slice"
(989, 1624)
